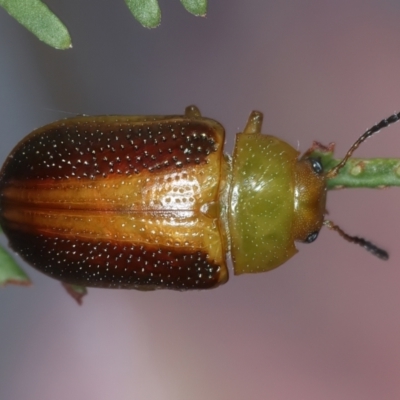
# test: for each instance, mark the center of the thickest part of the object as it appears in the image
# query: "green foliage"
(35, 16)
(10, 272)
(196, 7)
(147, 12)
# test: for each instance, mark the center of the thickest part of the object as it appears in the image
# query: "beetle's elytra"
(150, 202)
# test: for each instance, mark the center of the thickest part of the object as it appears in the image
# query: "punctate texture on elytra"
(151, 202)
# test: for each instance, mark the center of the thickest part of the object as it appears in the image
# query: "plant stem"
(359, 173)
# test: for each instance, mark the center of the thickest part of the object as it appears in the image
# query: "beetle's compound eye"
(311, 237)
(316, 165)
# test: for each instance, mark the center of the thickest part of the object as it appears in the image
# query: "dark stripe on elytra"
(115, 264)
(92, 148)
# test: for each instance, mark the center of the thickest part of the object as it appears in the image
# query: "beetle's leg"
(75, 291)
(192, 111)
(254, 123)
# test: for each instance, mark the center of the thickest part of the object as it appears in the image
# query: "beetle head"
(309, 199)
(372, 248)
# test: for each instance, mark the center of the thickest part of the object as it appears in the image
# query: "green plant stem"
(361, 173)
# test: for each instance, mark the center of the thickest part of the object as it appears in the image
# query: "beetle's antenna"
(375, 129)
(373, 249)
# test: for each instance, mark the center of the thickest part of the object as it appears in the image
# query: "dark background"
(325, 325)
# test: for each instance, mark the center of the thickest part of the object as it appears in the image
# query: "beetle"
(150, 202)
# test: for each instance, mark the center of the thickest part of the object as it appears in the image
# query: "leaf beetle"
(150, 202)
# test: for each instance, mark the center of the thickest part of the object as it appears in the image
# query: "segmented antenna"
(373, 249)
(375, 129)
